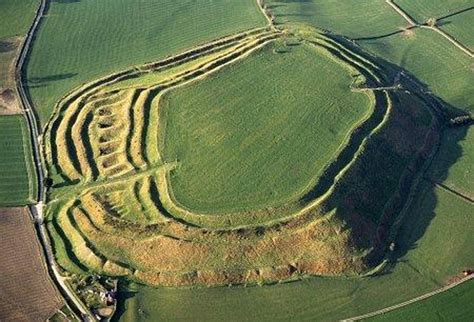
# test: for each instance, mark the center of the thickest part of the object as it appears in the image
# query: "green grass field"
(353, 19)
(433, 60)
(17, 177)
(16, 17)
(82, 40)
(452, 305)
(438, 226)
(459, 26)
(422, 10)
(248, 143)
(460, 176)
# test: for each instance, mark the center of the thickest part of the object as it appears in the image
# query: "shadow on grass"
(66, 1)
(456, 13)
(423, 208)
(125, 292)
(6, 46)
(50, 78)
(421, 202)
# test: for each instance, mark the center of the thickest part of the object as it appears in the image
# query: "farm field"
(390, 42)
(422, 10)
(353, 19)
(458, 26)
(26, 291)
(15, 18)
(417, 271)
(17, 175)
(447, 73)
(8, 99)
(460, 176)
(120, 34)
(454, 305)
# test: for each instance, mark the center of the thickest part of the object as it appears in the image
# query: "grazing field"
(119, 34)
(422, 10)
(444, 228)
(354, 19)
(452, 305)
(459, 27)
(26, 291)
(432, 59)
(377, 27)
(436, 219)
(460, 175)
(17, 175)
(15, 18)
(246, 143)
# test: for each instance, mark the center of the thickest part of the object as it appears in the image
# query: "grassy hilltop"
(244, 143)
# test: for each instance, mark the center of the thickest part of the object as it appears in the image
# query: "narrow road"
(35, 134)
(416, 299)
(30, 116)
(402, 13)
(37, 212)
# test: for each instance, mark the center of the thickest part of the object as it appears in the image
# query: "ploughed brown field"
(26, 291)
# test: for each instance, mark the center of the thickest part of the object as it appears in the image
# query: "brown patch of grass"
(408, 33)
(8, 102)
(319, 248)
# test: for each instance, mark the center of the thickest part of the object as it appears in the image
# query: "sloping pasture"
(422, 10)
(459, 26)
(452, 305)
(82, 40)
(354, 19)
(377, 27)
(458, 176)
(432, 59)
